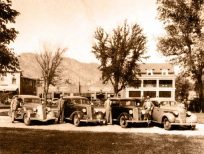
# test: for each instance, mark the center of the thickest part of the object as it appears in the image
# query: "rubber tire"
(167, 124)
(76, 120)
(123, 122)
(26, 120)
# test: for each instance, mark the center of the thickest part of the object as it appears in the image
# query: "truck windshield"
(32, 100)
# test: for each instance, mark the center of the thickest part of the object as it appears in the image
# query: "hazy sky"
(71, 24)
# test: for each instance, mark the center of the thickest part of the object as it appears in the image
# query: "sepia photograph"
(101, 76)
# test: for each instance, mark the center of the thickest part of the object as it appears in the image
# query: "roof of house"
(156, 67)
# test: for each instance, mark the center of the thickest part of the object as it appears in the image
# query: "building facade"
(91, 92)
(156, 81)
(13, 83)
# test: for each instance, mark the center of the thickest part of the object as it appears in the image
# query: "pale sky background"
(72, 23)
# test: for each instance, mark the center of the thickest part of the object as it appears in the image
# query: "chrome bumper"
(184, 124)
(138, 121)
(42, 120)
(93, 120)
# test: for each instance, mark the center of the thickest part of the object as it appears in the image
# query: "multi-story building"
(156, 81)
(15, 83)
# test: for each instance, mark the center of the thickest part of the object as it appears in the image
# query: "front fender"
(28, 112)
(192, 119)
(127, 116)
(80, 114)
(170, 117)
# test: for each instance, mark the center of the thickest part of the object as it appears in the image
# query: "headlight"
(99, 116)
(176, 113)
(130, 112)
(188, 113)
(48, 109)
(34, 109)
(95, 110)
(84, 110)
(143, 111)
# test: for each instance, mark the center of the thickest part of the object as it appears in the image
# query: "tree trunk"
(200, 88)
(116, 90)
(46, 88)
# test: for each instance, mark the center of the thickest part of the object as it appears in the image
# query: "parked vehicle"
(79, 109)
(171, 113)
(31, 109)
(98, 106)
(128, 110)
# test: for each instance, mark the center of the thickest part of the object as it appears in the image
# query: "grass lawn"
(41, 141)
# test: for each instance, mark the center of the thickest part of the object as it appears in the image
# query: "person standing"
(107, 106)
(61, 109)
(185, 103)
(14, 107)
(148, 106)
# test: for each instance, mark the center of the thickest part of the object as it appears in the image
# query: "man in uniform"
(107, 106)
(14, 107)
(61, 109)
(148, 106)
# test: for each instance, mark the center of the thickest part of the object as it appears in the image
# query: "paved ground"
(5, 121)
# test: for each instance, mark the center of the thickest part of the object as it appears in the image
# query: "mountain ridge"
(73, 70)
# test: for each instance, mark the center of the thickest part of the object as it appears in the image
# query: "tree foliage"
(183, 42)
(49, 61)
(183, 86)
(119, 54)
(8, 59)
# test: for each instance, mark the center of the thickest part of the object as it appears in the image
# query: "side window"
(68, 102)
(2, 78)
(164, 72)
(149, 72)
(13, 80)
(128, 103)
(114, 103)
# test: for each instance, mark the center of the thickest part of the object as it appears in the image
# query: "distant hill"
(73, 70)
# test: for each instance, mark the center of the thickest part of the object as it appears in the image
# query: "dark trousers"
(61, 116)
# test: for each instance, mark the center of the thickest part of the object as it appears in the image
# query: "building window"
(13, 80)
(165, 83)
(150, 83)
(138, 83)
(2, 78)
(4, 74)
(151, 94)
(164, 72)
(149, 72)
(134, 93)
(166, 94)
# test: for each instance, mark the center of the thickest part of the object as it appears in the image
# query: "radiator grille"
(183, 117)
(135, 114)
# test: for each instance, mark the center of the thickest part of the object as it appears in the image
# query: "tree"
(183, 86)
(8, 59)
(49, 61)
(119, 55)
(183, 42)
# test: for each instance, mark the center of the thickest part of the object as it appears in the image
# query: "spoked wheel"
(167, 124)
(76, 120)
(123, 122)
(26, 120)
